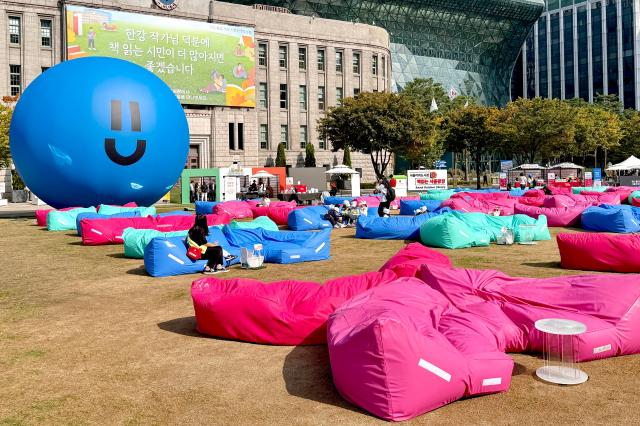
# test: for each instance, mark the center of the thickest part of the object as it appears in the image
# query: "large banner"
(204, 63)
(422, 180)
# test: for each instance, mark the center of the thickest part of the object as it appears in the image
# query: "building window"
(241, 136)
(356, 63)
(262, 95)
(384, 66)
(374, 65)
(283, 96)
(262, 54)
(264, 136)
(302, 94)
(284, 135)
(339, 56)
(321, 98)
(14, 30)
(232, 138)
(321, 59)
(15, 80)
(322, 144)
(283, 56)
(356, 91)
(303, 137)
(45, 32)
(339, 94)
(302, 58)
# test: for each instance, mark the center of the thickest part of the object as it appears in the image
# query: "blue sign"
(441, 164)
(597, 174)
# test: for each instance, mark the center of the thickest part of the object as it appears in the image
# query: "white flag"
(434, 105)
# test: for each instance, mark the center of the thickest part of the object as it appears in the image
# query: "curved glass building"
(467, 45)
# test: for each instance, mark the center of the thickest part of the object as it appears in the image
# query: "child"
(334, 217)
(344, 212)
(354, 213)
(364, 210)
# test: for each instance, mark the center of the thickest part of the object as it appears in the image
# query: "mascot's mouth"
(116, 125)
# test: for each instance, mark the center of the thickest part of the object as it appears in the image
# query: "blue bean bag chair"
(168, 256)
(393, 227)
(175, 213)
(205, 207)
(94, 215)
(408, 207)
(612, 218)
(336, 200)
(517, 192)
(308, 219)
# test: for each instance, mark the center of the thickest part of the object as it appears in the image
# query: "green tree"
(424, 91)
(346, 157)
(281, 156)
(378, 124)
(609, 103)
(474, 129)
(310, 156)
(538, 129)
(596, 128)
(5, 120)
(630, 142)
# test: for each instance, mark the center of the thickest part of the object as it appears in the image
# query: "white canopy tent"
(631, 163)
(341, 169)
(262, 174)
(566, 166)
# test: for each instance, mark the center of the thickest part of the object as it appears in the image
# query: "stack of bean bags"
(308, 219)
(110, 231)
(168, 256)
(408, 207)
(600, 252)
(463, 230)
(135, 240)
(481, 202)
(409, 339)
(611, 218)
(437, 194)
(205, 207)
(277, 211)
(394, 227)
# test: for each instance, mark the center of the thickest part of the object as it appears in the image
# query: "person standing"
(192, 192)
(392, 181)
(383, 189)
(212, 190)
(203, 191)
(485, 179)
(91, 39)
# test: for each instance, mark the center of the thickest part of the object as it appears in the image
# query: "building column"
(589, 53)
(636, 51)
(576, 77)
(620, 52)
(562, 91)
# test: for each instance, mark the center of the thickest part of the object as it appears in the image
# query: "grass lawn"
(87, 337)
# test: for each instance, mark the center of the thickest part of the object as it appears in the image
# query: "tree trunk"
(478, 157)
(595, 158)
(466, 166)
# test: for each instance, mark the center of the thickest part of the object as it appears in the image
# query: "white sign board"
(401, 187)
(422, 180)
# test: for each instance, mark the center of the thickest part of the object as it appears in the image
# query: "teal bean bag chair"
(135, 240)
(449, 231)
(438, 194)
(634, 194)
(260, 222)
(579, 189)
(66, 220)
(109, 210)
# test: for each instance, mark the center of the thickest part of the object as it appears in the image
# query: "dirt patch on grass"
(87, 337)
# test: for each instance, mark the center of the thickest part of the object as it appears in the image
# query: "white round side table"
(559, 352)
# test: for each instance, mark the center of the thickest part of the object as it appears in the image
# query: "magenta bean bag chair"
(482, 195)
(486, 206)
(41, 214)
(258, 211)
(600, 252)
(403, 349)
(416, 344)
(597, 198)
(559, 190)
(564, 200)
(371, 201)
(280, 214)
(556, 216)
(407, 261)
(622, 191)
(280, 313)
(109, 231)
(234, 209)
(635, 202)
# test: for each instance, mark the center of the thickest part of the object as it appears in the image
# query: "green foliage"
(424, 91)
(346, 157)
(630, 142)
(537, 129)
(609, 103)
(16, 180)
(281, 156)
(5, 120)
(474, 129)
(596, 128)
(379, 124)
(310, 156)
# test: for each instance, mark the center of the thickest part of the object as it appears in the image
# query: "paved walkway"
(16, 210)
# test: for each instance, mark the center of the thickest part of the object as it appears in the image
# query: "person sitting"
(344, 212)
(211, 252)
(264, 202)
(333, 216)
(420, 210)
(354, 212)
(364, 210)
(253, 187)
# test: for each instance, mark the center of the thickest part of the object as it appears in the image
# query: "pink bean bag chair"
(482, 195)
(109, 231)
(556, 216)
(597, 198)
(403, 349)
(469, 205)
(280, 313)
(565, 200)
(559, 190)
(280, 214)
(234, 209)
(407, 261)
(41, 215)
(258, 211)
(371, 201)
(622, 191)
(635, 202)
(600, 252)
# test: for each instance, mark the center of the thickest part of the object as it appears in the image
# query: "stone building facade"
(304, 66)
